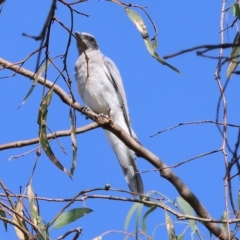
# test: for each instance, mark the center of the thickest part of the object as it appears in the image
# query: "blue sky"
(158, 98)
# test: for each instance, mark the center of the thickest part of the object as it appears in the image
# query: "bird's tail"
(126, 158)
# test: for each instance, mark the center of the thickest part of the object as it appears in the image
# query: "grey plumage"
(103, 90)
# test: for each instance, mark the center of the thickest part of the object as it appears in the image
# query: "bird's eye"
(92, 39)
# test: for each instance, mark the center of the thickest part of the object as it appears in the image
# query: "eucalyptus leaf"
(223, 226)
(187, 209)
(42, 117)
(35, 81)
(71, 216)
(170, 227)
(74, 141)
(3, 214)
(234, 56)
(141, 26)
(236, 10)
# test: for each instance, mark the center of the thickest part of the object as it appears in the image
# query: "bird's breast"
(94, 85)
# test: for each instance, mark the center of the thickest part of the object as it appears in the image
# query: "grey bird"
(101, 88)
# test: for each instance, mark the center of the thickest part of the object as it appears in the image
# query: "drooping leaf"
(170, 227)
(42, 117)
(35, 81)
(234, 56)
(236, 10)
(71, 216)
(140, 25)
(129, 215)
(223, 226)
(138, 208)
(187, 209)
(3, 214)
(19, 221)
(144, 219)
(139, 211)
(180, 237)
(74, 142)
(36, 219)
(33, 208)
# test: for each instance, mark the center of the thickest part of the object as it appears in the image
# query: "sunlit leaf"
(223, 226)
(144, 219)
(42, 117)
(97, 238)
(140, 25)
(71, 216)
(36, 219)
(18, 220)
(170, 227)
(35, 81)
(74, 142)
(187, 209)
(33, 208)
(3, 214)
(234, 56)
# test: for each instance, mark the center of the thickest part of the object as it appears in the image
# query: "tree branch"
(208, 47)
(53, 135)
(108, 124)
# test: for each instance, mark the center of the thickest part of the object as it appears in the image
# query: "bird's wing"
(116, 80)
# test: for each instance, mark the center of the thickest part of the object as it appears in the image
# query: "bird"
(101, 88)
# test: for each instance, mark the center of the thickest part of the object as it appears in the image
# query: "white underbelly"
(97, 91)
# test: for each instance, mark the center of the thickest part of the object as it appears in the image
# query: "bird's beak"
(82, 46)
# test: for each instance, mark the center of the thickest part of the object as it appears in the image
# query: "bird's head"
(85, 42)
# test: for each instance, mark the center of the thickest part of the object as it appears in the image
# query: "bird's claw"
(103, 115)
(86, 109)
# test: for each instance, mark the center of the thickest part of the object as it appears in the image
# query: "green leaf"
(71, 216)
(42, 117)
(223, 226)
(139, 210)
(140, 25)
(236, 10)
(170, 227)
(234, 56)
(180, 237)
(129, 215)
(135, 207)
(144, 225)
(3, 214)
(187, 209)
(35, 81)
(74, 141)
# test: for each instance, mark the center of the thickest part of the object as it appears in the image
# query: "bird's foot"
(104, 115)
(86, 109)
